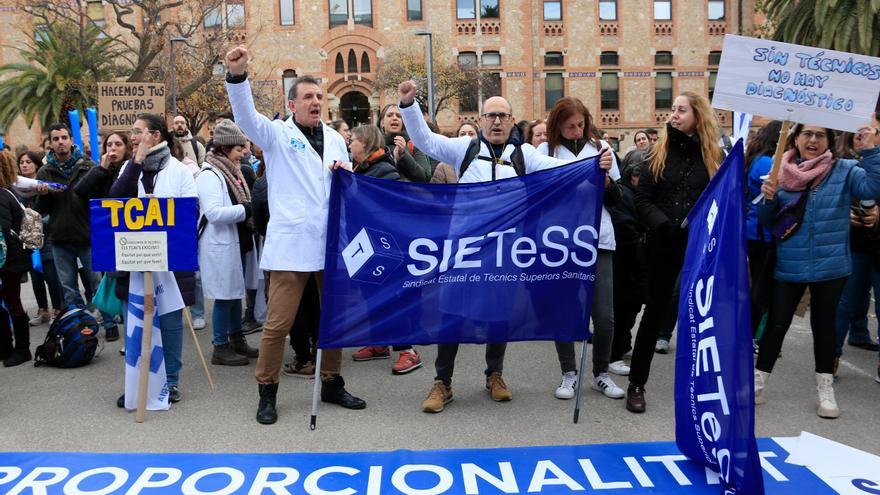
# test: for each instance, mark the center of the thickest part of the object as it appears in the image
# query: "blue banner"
(714, 389)
(498, 261)
(619, 469)
(144, 234)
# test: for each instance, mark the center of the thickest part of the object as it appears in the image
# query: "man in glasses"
(498, 152)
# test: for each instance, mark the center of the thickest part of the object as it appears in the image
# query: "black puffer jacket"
(381, 167)
(664, 202)
(96, 183)
(18, 259)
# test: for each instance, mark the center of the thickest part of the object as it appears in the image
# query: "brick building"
(626, 59)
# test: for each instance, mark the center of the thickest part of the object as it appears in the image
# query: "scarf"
(67, 166)
(797, 176)
(232, 173)
(157, 158)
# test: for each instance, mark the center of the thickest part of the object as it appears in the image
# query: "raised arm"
(257, 127)
(436, 146)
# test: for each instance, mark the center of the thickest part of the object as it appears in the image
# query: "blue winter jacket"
(819, 250)
(759, 167)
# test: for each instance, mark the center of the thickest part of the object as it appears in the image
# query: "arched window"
(288, 77)
(352, 62)
(365, 62)
(340, 67)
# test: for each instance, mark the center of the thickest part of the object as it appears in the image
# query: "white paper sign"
(802, 84)
(141, 251)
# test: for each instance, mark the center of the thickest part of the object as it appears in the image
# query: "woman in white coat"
(225, 235)
(571, 136)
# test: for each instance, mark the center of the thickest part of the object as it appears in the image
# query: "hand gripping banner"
(714, 390)
(500, 261)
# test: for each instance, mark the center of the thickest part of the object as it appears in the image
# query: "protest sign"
(144, 234)
(120, 103)
(802, 84)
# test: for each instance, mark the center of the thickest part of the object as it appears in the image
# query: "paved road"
(49, 409)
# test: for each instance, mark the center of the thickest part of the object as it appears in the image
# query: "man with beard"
(192, 148)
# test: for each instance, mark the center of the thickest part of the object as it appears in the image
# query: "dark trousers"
(761, 264)
(445, 362)
(10, 293)
(824, 297)
(665, 258)
(47, 279)
(629, 295)
(304, 331)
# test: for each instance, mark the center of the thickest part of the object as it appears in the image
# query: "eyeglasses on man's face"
(503, 117)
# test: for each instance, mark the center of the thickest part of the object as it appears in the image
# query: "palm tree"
(60, 72)
(844, 25)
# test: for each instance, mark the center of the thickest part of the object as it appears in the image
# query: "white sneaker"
(199, 323)
(619, 368)
(827, 404)
(603, 383)
(661, 347)
(566, 388)
(760, 384)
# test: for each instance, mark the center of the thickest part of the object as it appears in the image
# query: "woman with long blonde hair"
(679, 167)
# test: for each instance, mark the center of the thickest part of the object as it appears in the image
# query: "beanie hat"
(226, 133)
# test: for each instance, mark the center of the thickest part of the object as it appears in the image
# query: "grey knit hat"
(226, 133)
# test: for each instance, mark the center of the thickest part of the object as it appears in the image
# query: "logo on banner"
(371, 256)
(713, 214)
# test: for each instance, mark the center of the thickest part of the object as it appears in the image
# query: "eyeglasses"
(820, 136)
(504, 117)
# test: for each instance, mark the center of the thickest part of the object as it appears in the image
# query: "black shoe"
(868, 345)
(173, 394)
(111, 334)
(250, 326)
(333, 391)
(225, 356)
(266, 414)
(240, 346)
(17, 357)
(120, 402)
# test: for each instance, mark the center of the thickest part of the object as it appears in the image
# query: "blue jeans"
(226, 319)
(198, 309)
(171, 326)
(65, 266)
(852, 311)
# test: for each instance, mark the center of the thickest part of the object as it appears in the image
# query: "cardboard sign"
(144, 234)
(801, 84)
(120, 103)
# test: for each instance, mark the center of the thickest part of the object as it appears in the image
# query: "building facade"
(626, 59)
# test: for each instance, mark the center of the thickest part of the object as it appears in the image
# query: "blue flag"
(498, 261)
(714, 388)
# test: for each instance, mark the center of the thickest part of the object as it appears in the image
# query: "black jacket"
(627, 228)
(68, 212)
(663, 203)
(18, 259)
(260, 204)
(381, 167)
(96, 183)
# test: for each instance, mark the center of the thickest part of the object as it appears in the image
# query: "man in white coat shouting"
(298, 153)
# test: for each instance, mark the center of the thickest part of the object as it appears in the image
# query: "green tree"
(59, 72)
(844, 25)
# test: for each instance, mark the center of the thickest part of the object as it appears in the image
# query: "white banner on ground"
(167, 299)
(802, 84)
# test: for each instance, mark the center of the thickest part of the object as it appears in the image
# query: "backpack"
(71, 342)
(31, 230)
(516, 159)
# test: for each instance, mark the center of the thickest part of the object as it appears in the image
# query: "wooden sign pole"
(188, 317)
(146, 347)
(780, 150)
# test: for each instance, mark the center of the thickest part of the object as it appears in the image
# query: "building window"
(491, 85)
(467, 60)
(363, 12)
(608, 10)
(713, 77)
(663, 58)
(340, 65)
(554, 59)
(213, 18)
(716, 10)
(662, 10)
(609, 58)
(610, 91)
(414, 10)
(554, 89)
(552, 10)
(287, 15)
(714, 58)
(352, 62)
(365, 62)
(235, 17)
(338, 12)
(288, 77)
(41, 32)
(489, 9)
(491, 58)
(466, 9)
(663, 91)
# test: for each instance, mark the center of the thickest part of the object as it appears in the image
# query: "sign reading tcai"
(144, 234)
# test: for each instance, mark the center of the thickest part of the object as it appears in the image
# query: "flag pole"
(314, 420)
(580, 382)
(188, 317)
(146, 347)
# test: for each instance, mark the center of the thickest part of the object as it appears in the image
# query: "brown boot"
(635, 398)
(497, 388)
(438, 397)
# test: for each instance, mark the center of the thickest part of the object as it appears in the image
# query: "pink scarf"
(796, 177)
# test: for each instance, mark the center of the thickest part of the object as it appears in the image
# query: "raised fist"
(407, 90)
(236, 60)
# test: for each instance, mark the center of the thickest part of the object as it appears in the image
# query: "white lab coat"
(606, 228)
(219, 254)
(299, 185)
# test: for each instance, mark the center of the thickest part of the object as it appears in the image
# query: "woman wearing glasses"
(810, 215)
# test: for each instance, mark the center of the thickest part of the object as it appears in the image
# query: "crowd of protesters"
(263, 220)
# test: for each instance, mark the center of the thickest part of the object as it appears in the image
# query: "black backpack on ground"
(71, 342)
